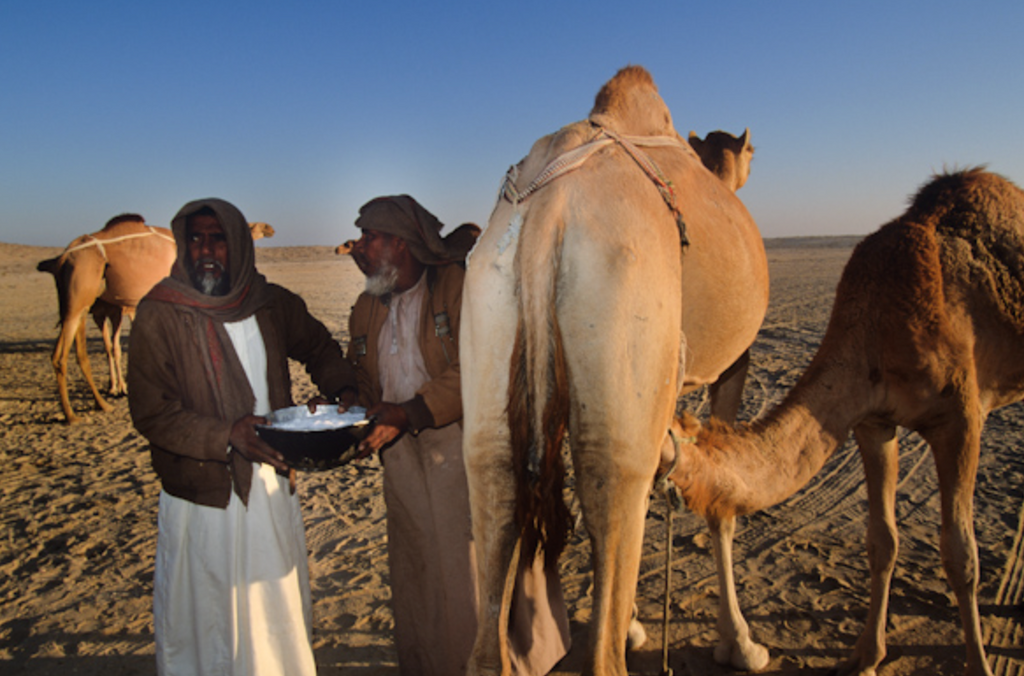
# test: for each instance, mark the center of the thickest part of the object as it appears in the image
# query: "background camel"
(260, 230)
(107, 273)
(927, 333)
(344, 248)
(575, 319)
(725, 155)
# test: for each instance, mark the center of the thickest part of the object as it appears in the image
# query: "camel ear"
(746, 138)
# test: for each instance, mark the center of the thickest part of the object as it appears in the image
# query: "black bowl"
(316, 441)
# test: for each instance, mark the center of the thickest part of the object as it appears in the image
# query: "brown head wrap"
(404, 217)
(248, 287)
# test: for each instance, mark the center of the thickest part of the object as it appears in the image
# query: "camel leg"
(727, 392)
(110, 318)
(492, 496)
(956, 448)
(119, 386)
(606, 489)
(59, 360)
(108, 349)
(735, 647)
(879, 453)
(82, 353)
(489, 317)
(73, 333)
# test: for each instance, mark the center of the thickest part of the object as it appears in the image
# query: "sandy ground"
(79, 517)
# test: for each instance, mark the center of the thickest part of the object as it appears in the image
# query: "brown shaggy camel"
(725, 155)
(616, 273)
(926, 333)
(107, 273)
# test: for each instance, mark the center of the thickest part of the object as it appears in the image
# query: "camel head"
(725, 155)
(345, 248)
(683, 430)
(260, 230)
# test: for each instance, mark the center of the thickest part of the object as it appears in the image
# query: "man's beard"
(208, 282)
(383, 281)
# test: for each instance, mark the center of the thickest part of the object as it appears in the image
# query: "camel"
(260, 230)
(108, 272)
(926, 333)
(345, 248)
(725, 155)
(616, 273)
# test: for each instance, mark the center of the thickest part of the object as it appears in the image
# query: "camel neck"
(735, 471)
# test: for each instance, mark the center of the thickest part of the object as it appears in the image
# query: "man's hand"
(244, 440)
(391, 422)
(346, 400)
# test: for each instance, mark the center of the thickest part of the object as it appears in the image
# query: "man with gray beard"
(405, 330)
(210, 350)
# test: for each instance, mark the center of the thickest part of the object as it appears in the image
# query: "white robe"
(231, 588)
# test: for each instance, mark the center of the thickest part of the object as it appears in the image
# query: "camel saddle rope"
(92, 240)
(674, 503)
(575, 158)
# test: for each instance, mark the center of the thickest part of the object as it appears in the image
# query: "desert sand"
(78, 506)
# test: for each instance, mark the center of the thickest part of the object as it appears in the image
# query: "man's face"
(375, 255)
(208, 255)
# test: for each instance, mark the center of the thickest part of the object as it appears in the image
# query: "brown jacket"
(173, 405)
(439, 400)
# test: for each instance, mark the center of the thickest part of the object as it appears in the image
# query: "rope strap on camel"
(92, 240)
(673, 503)
(573, 159)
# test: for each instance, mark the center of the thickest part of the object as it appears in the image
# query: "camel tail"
(538, 398)
(49, 265)
(60, 273)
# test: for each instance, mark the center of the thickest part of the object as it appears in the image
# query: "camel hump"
(629, 104)
(123, 218)
(945, 201)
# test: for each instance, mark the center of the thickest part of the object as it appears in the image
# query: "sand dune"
(78, 507)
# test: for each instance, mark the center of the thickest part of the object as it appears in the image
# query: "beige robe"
(430, 545)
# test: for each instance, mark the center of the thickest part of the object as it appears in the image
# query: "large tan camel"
(583, 312)
(926, 333)
(107, 273)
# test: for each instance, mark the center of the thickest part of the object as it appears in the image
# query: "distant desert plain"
(78, 506)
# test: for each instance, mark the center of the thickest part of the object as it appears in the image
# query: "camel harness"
(92, 240)
(573, 159)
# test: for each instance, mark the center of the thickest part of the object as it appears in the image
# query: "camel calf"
(925, 334)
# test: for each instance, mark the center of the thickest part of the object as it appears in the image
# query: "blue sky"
(299, 112)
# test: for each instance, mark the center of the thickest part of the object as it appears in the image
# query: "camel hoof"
(636, 636)
(744, 655)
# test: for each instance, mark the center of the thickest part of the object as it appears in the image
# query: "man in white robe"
(210, 349)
